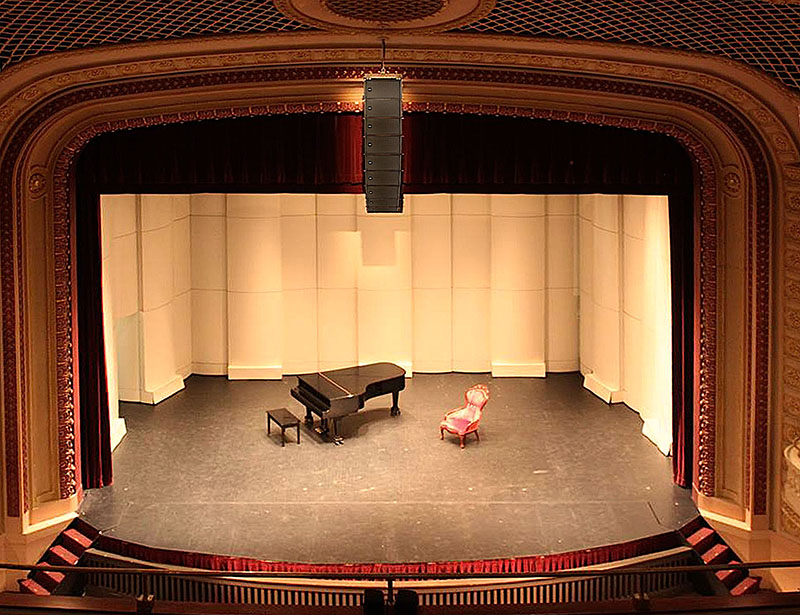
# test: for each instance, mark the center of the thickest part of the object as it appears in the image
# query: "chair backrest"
(476, 398)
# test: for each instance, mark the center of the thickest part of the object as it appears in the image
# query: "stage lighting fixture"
(383, 143)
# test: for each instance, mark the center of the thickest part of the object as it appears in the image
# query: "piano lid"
(351, 380)
(323, 386)
(357, 379)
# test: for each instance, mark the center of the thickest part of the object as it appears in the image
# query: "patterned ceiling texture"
(757, 32)
(762, 33)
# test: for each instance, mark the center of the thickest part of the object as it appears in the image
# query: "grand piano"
(339, 392)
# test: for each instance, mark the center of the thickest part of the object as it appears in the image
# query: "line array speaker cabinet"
(383, 144)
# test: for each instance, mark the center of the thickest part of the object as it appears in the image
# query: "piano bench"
(283, 419)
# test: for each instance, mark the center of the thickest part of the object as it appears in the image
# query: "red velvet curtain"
(322, 153)
(94, 426)
(684, 316)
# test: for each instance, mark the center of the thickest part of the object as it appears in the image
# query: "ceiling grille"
(34, 27)
(763, 34)
(756, 32)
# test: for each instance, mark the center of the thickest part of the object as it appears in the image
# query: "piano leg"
(326, 432)
(309, 417)
(395, 400)
(337, 439)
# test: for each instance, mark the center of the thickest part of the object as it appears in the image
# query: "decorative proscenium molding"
(706, 429)
(733, 182)
(518, 69)
(37, 184)
(11, 403)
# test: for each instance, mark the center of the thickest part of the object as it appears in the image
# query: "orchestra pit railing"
(637, 584)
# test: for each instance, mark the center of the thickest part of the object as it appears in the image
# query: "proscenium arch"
(444, 153)
(739, 177)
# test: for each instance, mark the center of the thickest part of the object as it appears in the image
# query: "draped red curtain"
(684, 317)
(94, 425)
(321, 153)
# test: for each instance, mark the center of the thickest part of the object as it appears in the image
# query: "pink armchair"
(464, 420)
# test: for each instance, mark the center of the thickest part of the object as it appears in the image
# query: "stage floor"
(556, 470)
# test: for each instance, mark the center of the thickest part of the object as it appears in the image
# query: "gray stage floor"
(556, 469)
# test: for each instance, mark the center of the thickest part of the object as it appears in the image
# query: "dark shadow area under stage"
(556, 469)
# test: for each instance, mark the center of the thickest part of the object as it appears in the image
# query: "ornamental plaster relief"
(792, 229)
(792, 173)
(790, 520)
(790, 498)
(261, 59)
(791, 401)
(732, 181)
(792, 259)
(793, 201)
(791, 429)
(708, 373)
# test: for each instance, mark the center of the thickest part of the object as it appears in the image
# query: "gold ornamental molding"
(757, 127)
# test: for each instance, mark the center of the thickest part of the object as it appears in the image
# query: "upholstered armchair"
(465, 420)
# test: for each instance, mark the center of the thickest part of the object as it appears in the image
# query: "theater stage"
(556, 470)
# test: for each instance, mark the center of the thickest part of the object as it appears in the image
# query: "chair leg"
(462, 441)
(441, 433)
(477, 436)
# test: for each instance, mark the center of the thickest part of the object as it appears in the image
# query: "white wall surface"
(432, 281)
(209, 280)
(562, 350)
(625, 326)
(117, 224)
(146, 295)
(258, 286)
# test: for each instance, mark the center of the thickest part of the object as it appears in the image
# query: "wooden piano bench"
(285, 420)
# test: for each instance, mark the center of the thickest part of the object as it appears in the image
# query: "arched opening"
(737, 128)
(321, 153)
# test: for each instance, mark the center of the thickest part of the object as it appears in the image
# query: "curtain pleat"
(94, 425)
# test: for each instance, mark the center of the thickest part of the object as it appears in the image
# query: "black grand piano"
(339, 392)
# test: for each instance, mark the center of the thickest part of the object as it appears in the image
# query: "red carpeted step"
(29, 586)
(702, 539)
(691, 527)
(730, 578)
(59, 556)
(748, 586)
(48, 579)
(718, 554)
(75, 541)
(84, 528)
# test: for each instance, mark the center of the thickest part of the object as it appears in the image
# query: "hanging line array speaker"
(383, 144)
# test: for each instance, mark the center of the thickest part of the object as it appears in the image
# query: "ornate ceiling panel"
(755, 32)
(762, 33)
(34, 27)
